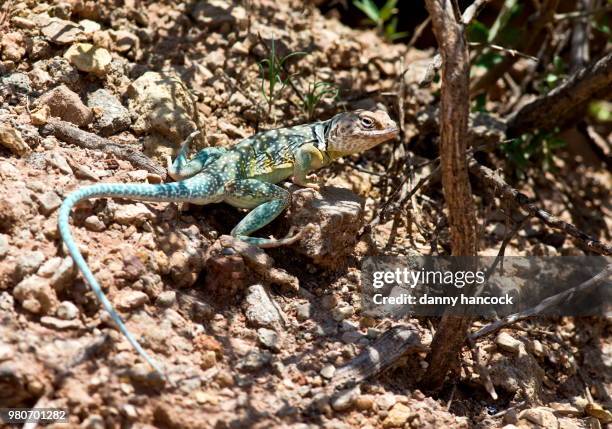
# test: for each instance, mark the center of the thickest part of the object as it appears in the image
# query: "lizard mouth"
(389, 133)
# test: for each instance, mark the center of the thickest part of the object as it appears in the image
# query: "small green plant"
(315, 93)
(536, 148)
(273, 72)
(554, 77)
(383, 18)
(601, 110)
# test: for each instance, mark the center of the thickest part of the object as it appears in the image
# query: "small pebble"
(132, 299)
(93, 223)
(269, 339)
(4, 245)
(345, 399)
(48, 202)
(342, 312)
(303, 311)
(167, 298)
(67, 310)
(328, 371)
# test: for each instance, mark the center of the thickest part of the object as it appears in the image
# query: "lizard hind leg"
(268, 201)
(182, 168)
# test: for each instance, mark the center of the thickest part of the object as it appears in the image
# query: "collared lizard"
(244, 176)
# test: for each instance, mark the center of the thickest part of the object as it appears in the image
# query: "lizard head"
(359, 130)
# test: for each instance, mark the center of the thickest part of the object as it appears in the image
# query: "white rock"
(62, 32)
(4, 245)
(29, 262)
(67, 311)
(345, 399)
(541, 416)
(89, 58)
(129, 214)
(49, 267)
(386, 401)
(93, 223)
(48, 202)
(35, 295)
(260, 311)
(269, 339)
(6, 352)
(129, 299)
(89, 27)
(328, 371)
(507, 342)
(64, 274)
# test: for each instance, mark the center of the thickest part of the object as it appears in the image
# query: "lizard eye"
(367, 122)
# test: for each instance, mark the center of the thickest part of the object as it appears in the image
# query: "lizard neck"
(320, 131)
(322, 134)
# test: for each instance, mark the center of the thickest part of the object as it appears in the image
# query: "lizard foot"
(310, 182)
(268, 243)
(304, 190)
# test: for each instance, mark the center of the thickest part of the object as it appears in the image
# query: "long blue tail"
(170, 192)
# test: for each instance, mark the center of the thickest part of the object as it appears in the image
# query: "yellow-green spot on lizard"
(244, 176)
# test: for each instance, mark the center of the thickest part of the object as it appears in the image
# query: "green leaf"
(292, 54)
(477, 32)
(560, 65)
(388, 10)
(551, 79)
(601, 110)
(369, 8)
(480, 102)
(488, 60)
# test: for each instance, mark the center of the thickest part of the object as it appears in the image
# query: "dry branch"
(566, 100)
(472, 11)
(380, 356)
(68, 133)
(454, 111)
(507, 192)
(544, 305)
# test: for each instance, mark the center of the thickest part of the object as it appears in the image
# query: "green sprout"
(383, 18)
(316, 92)
(539, 148)
(272, 70)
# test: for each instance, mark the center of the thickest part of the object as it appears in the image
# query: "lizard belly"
(241, 203)
(276, 175)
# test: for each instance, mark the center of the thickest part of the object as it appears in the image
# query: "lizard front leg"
(307, 158)
(267, 200)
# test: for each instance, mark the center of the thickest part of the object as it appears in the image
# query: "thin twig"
(509, 51)
(418, 31)
(482, 370)
(69, 133)
(582, 13)
(502, 250)
(507, 410)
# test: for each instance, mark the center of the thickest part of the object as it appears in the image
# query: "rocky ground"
(249, 338)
